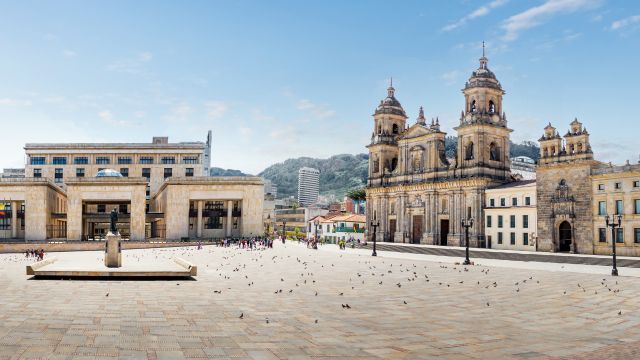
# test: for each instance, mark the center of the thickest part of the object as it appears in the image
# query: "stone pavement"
(397, 309)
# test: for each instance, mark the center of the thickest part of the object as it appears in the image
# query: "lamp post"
(316, 223)
(612, 224)
(374, 224)
(284, 231)
(467, 224)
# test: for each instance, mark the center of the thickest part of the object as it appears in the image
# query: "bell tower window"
(492, 107)
(395, 129)
(472, 108)
(494, 153)
(469, 152)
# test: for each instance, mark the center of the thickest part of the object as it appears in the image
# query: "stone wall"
(85, 246)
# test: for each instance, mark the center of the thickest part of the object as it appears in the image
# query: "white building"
(335, 228)
(308, 186)
(510, 216)
(524, 167)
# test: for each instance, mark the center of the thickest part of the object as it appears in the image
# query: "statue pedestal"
(113, 251)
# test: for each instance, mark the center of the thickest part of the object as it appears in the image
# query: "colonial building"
(510, 216)
(416, 193)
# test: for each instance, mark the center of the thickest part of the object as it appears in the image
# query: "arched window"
(572, 149)
(379, 129)
(469, 152)
(472, 108)
(444, 205)
(395, 128)
(492, 107)
(553, 151)
(545, 152)
(579, 147)
(563, 182)
(494, 152)
(394, 164)
(376, 165)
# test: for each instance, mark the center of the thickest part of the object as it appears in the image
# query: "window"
(513, 238)
(102, 160)
(620, 235)
(80, 172)
(514, 201)
(602, 235)
(59, 160)
(81, 160)
(512, 221)
(124, 172)
(59, 174)
(122, 209)
(525, 238)
(124, 160)
(600, 186)
(499, 238)
(636, 205)
(494, 152)
(168, 160)
(190, 160)
(148, 192)
(146, 160)
(146, 173)
(503, 202)
(488, 221)
(525, 221)
(5, 221)
(492, 202)
(636, 184)
(37, 173)
(188, 172)
(527, 200)
(395, 129)
(602, 208)
(636, 235)
(499, 221)
(102, 208)
(618, 186)
(168, 172)
(619, 209)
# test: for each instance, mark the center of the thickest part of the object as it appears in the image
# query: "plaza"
(290, 302)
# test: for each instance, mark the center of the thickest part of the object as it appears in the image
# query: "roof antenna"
(483, 48)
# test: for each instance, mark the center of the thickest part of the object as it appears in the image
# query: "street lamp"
(374, 224)
(612, 224)
(284, 231)
(467, 224)
(316, 225)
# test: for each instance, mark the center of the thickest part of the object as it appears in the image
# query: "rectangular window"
(618, 186)
(123, 209)
(514, 201)
(636, 235)
(525, 221)
(602, 235)
(619, 209)
(146, 160)
(190, 160)
(38, 160)
(492, 202)
(620, 235)
(146, 173)
(525, 238)
(58, 160)
(636, 206)
(81, 160)
(37, 173)
(168, 160)
(124, 160)
(600, 186)
(527, 200)
(188, 172)
(602, 208)
(512, 221)
(500, 238)
(102, 160)
(513, 238)
(168, 172)
(124, 172)
(102, 208)
(59, 175)
(503, 202)
(636, 184)
(488, 221)
(499, 221)
(80, 172)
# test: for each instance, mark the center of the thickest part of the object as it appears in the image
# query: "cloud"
(245, 132)
(14, 102)
(318, 111)
(107, 117)
(450, 77)
(179, 112)
(537, 15)
(479, 12)
(216, 109)
(69, 53)
(619, 24)
(133, 65)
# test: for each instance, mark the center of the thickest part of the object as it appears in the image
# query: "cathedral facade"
(417, 194)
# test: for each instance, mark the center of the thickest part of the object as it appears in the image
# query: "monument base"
(113, 251)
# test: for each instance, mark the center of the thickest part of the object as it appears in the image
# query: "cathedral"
(417, 194)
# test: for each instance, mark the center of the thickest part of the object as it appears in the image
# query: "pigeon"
(404, 302)
(316, 321)
(241, 315)
(620, 312)
(107, 294)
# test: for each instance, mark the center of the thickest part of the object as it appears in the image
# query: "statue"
(114, 218)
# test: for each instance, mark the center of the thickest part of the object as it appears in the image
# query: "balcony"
(347, 229)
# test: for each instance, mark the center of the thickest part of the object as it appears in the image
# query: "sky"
(280, 79)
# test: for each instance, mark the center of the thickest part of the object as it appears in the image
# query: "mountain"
(216, 171)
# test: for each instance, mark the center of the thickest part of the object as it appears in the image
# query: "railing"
(56, 231)
(347, 229)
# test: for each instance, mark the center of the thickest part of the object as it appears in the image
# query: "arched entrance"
(564, 236)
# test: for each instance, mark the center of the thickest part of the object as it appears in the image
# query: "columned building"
(418, 194)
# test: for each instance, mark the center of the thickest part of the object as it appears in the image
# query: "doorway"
(417, 229)
(565, 236)
(444, 231)
(392, 228)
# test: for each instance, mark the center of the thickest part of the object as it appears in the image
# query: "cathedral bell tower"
(389, 122)
(483, 136)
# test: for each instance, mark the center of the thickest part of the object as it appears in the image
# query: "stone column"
(14, 219)
(137, 218)
(229, 216)
(199, 222)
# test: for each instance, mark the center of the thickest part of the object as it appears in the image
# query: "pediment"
(416, 130)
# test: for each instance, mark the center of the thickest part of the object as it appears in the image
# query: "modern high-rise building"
(308, 186)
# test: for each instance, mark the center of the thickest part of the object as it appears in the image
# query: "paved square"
(295, 303)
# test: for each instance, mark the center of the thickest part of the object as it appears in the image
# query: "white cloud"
(216, 109)
(479, 12)
(245, 132)
(179, 112)
(537, 15)
(318, 111)
(132, 65)
(619, 24)
(69, 53)
(451, 77)
(107, 117)
(14, 102)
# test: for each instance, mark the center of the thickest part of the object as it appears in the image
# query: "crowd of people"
(35, 253)
(254, 243)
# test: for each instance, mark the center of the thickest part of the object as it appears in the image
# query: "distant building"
(12, 173)
(270, 189)
(296, 218)
(338, 227)
(308, 186)
(510, 216)
(523, 167)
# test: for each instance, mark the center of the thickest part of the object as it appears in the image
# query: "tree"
(358, 194)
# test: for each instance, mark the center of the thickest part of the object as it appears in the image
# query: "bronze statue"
(114, 219)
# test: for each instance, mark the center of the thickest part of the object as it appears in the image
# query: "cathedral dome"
(108, 173)
(483, 77)
(390, 105)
